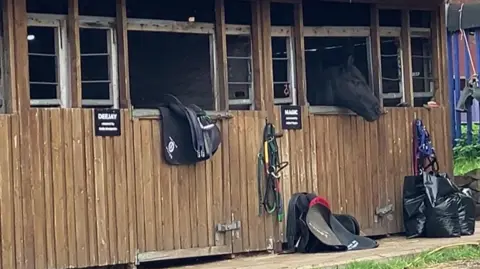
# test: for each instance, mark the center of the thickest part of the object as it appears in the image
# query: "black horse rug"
(189, 134)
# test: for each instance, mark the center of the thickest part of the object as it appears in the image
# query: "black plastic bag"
(466, 212)
(414, 206)
(442, 200)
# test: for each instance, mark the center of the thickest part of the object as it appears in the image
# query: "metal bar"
(280, 58)
(240, 83)
(456, 75)
(421, 57)
(43, 83)
(477, 54)
(98, 102)
(388, 55)
(94, 54)
(283, 101)
(44, 102)
(239, 57)
(392, 95)
(42, 54)
(451, 87)
(95, 81)
(391, 79)
(239, 102)
(422, 94)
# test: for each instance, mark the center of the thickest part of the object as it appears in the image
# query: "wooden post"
(221, 55)
(267, 60)
(123, 67)
(376, 52)
(10, 98)
(23, 106)
(75, 57)
(407, 58)
(300, 55)
(257, 55)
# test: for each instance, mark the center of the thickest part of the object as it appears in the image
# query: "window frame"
(58, 22)
(287, 32)
(91, 22)
(415, 32)
(241, 30)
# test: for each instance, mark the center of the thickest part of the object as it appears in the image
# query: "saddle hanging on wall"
(189, 134)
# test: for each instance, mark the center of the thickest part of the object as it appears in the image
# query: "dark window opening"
(391, 66)
(420, 18)
(178, 10)
(43, 67)
(422, 71)
(238, 12)
(283, 76)
(104, 8)
(324, 57)
(281, 14)
(240, 70)
(95, 64)
(319, 13)
(390, 17)
(170, 63)
(47, 6)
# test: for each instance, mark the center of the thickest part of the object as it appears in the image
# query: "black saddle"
(189, 134)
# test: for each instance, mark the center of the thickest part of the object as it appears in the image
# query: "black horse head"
(353, 92)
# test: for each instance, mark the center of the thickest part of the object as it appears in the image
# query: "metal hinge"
(222, 228)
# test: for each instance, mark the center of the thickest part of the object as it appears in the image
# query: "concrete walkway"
(388, 248)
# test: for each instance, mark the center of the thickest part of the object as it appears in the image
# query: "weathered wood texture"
(97, 201)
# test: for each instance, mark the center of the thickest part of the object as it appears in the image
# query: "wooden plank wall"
(97, 201)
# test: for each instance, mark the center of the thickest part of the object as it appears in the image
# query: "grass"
(465, 165)
(423, 260)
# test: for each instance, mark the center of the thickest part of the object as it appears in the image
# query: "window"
(98, 67)
(47, 62)
(282, 20)
(239, 54)
(240, 71)
(392, 71)
(422, 66)
(283, 70)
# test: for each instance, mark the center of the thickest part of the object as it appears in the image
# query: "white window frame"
(103, 23)
(241, 30)
(286, 32)
(415, 32)
(61, 51)
(401, 82)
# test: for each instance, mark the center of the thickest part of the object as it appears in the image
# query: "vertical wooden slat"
(226, 179)
(236, 207)
(7, 216)
(255, 235)
(218, 179)
(370, 194)
(242, 171)
(192, 197)
(100, 167)
(221, 54)
(300, 74)
(69, 186)
(139, 178)
(80, 188)
(123, 61)
(111, 200)
(90, 187)
(160, 183)
(38, 189)
(376, 52)
(201, 205)
(60, 203)
(147, 192)
(49, 194)
(73, 30)
(407, 57)
(131, 184)
(176, 197)
(122, 202)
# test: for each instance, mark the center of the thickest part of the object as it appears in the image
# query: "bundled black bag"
(414, 206)
(433, 206)
(466, 212)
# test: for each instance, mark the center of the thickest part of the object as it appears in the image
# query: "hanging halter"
(423, 151)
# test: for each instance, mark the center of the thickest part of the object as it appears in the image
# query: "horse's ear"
(350, 60)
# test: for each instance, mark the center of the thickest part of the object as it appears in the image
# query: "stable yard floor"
(388, 248)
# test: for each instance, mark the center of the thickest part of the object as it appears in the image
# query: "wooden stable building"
(70, 199)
